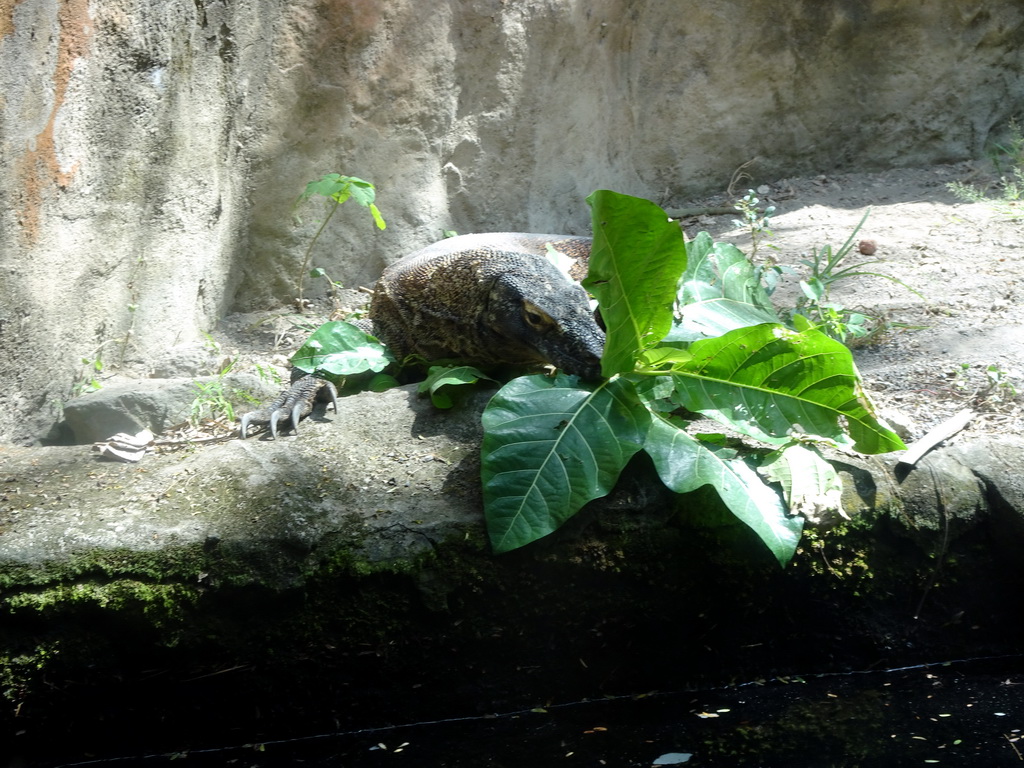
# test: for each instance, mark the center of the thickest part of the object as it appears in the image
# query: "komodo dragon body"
(490, 299)
(487, 299)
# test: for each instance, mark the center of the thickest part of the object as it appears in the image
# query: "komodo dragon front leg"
(291, 406)
(488, 300)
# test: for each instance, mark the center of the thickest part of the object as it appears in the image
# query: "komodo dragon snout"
(488, 300)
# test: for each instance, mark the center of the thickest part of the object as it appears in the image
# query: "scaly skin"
(490, 299)
(291, 406)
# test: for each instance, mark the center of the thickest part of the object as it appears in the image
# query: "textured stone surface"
(152, 152)
(280, 497)
(332, 577)
(154, 404)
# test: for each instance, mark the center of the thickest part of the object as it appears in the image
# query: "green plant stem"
(309, 250)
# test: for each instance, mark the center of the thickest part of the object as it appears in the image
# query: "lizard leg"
(291, 406)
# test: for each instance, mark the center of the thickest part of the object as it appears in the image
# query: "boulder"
(267, 588)
(132, 405)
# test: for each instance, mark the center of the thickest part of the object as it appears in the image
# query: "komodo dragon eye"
(536, 317)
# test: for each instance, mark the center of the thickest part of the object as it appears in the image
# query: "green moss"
(838, 553)
(152, 600)
(163, 565)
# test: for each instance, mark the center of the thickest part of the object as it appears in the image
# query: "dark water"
(958, 714)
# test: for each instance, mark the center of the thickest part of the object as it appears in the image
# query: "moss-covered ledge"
(257, 589)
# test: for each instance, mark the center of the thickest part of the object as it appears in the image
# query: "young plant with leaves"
(758, 223)
(695, 336)
(216, 399)
(827, 268)
(336, 189)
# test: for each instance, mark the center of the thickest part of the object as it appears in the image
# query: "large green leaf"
(771, 382)
(341, 349)
(550, 446)
(635, 264)
(719, 292)
(685, 464)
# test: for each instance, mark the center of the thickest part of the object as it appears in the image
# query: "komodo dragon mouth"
(488, 300)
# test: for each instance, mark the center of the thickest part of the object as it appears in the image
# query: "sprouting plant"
(758, 224)
(842, 324)
(998, 386)
(1000, 379)
(87, 380)
(1009, 156)
(826, 269)
(335, 286)
(1008, 159)
(755, 221)
(336, 189)
(268, 373)
(210, 343)
(959, 375)
(212, 400)
(967, 192)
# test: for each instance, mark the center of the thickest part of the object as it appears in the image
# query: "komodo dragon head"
(541, 314)
(490, 299)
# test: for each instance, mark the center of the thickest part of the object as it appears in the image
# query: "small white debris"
(673, 758)
(124, 447)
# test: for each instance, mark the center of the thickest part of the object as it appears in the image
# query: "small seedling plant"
(88, 378)
(757, 222)
(826, 269)
(690, 330)
(1008, 159)
(821, 271)
(336, 190)
(998, 387)
(215, 400)
(211, 401)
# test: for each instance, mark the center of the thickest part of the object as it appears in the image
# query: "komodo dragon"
(486, 299)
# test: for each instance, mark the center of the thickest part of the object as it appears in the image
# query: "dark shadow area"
(699, 607)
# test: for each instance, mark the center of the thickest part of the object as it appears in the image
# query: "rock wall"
(152, 151)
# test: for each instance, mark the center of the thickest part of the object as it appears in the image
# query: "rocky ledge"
(253, 589)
